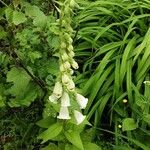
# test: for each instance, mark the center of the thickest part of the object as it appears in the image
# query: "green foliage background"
(111, 41)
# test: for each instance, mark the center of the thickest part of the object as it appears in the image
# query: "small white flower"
(64, 113)
(65, 100)
(71, 85)
(74, 64)
(79, 117)
(58, 89)
(53, 99)
(67, 65)
(65, 79)
(81, 100)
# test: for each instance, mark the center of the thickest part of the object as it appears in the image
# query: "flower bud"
(53, 99)
(64, 113)
(71, 85)
(64, 56)
(71, 54)
(67, 65)
(81, 100)
(65, 79)
(58, 89)
(71, 71)
(79, 117)
(70, 48)
(65, 100)
(63, 45)
(74, 64)
(62, 68)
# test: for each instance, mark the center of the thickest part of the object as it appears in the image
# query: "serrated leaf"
(75, 139)
(146, 118)
(18, 17)
(53, 131)
(91, 146)
(9, 14)
(39, 18)
(20, 80)
(3, 34)
(129, 124)
(25, 98)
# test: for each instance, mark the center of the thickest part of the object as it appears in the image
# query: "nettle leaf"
(53, 131)
(39, 18)
(129, 124)
(3, 34)
(74, 138)
(9, 14)
(90, 146)
(27, 96)
(18, 17)
(20, 80)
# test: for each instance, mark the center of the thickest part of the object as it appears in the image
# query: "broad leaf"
(51, 132)
(146, 118)
(51, 146)
(74, 138)
(20, 80)
(129, 124)
(91, 146)
(18, 17)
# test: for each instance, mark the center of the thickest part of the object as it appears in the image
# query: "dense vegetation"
(111, 40)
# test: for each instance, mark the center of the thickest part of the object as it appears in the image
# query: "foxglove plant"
(64, 90)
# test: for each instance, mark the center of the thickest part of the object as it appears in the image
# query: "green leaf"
(51, 146)
(18, 17)
(91, 146)
(51, 132)
(146, 118)
(70, 147)
(74, 138)
(129, 124)
(2, 104)
(25, 98)
(9, 14)
(20, 80)
(39, 18)
(46, 122)
(3, 34)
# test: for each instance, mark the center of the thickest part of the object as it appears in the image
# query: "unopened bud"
(70, 48)
(119, 126)
(64, 56)
(71, 85)
(71, 54)
(125, 100)
(63, 45)
(62, 68)
(65, 79)
(67, 65)
(74, 64)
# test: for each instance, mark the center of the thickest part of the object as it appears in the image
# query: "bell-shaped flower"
(81, 100)
(64, 113)
(79, 117)
(71, 85)
(65, 100)
(65, 79)
(53, 99)
(58, 89)
(74, 64)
